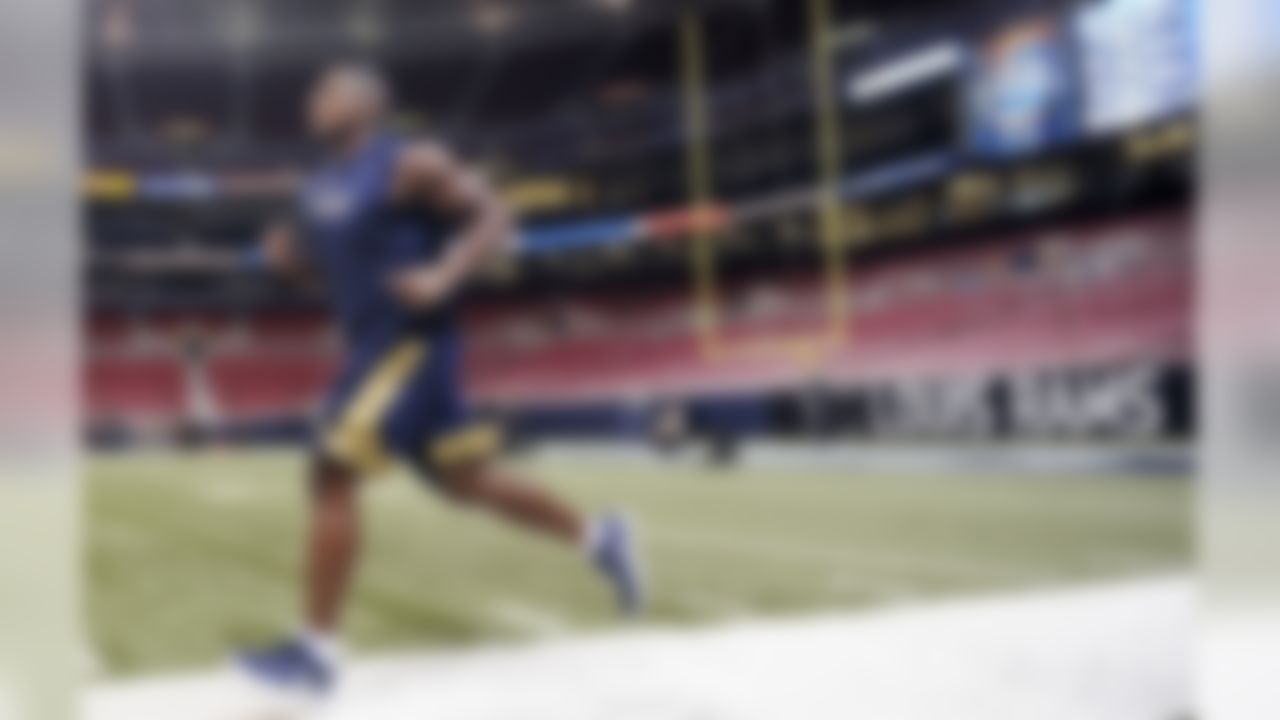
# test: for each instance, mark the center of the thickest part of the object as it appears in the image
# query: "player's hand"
(423, 288)
(280, 248)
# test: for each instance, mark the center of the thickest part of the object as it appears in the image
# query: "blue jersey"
(358, 237)
(400, 391)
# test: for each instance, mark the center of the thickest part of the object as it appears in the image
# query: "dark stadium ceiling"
(304, 29)
(233, 71)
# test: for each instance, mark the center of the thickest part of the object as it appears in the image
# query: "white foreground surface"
(1116, 652)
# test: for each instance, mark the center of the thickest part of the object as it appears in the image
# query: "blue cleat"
(289, 666)
(616, 557)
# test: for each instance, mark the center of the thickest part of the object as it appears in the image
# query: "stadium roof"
(166, 75)
(301, 29)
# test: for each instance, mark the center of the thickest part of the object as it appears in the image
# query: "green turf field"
(191, 555)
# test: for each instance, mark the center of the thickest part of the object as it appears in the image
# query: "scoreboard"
(1138, 60)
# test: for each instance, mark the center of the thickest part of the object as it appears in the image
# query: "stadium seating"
(1107, 294)
(146, 387)
(257, 384)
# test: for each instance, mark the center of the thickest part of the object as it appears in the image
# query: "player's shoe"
(291, 667)
(616, 556)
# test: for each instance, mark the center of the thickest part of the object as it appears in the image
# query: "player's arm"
(429, 176)
(279, 250)
(276, 250)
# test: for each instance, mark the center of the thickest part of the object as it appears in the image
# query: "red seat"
(136, 387)
(255, 384)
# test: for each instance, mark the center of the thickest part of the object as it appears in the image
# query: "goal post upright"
(699, 180)
(830, 165)
(809, 350)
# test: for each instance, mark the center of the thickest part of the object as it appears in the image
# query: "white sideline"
(1110, 652)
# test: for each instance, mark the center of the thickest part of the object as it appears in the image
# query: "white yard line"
(788, 550)
(221, 492)
(710, 605)
(885, 590)
(1111, 652)
(526, 619)
(909, 458)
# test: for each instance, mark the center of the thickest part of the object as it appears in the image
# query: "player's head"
(346, 99)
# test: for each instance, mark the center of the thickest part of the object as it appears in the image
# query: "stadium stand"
(973, 249)
(1104, 294)
(138, 387)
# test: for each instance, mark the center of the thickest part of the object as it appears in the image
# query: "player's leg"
(482, 483)
(608, 540)
(308, 661)
(372, 397)
(431, 427)
(333, 544)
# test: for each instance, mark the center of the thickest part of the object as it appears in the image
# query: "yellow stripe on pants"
(356, 438)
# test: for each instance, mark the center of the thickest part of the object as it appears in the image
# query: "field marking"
(1046, 460)
(526, 619)
(218, 491)
(844, 583)
(789, 550)
(718, 607)
(770, 482)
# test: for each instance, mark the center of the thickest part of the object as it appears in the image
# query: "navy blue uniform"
(399, 393)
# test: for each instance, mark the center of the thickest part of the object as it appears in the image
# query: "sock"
(593, 537)
(324, 645)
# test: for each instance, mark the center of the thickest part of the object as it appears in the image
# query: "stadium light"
(243, 25)
(617, 6)
(493, 17)
(365, 25)
(117, 30)
(907, 71)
